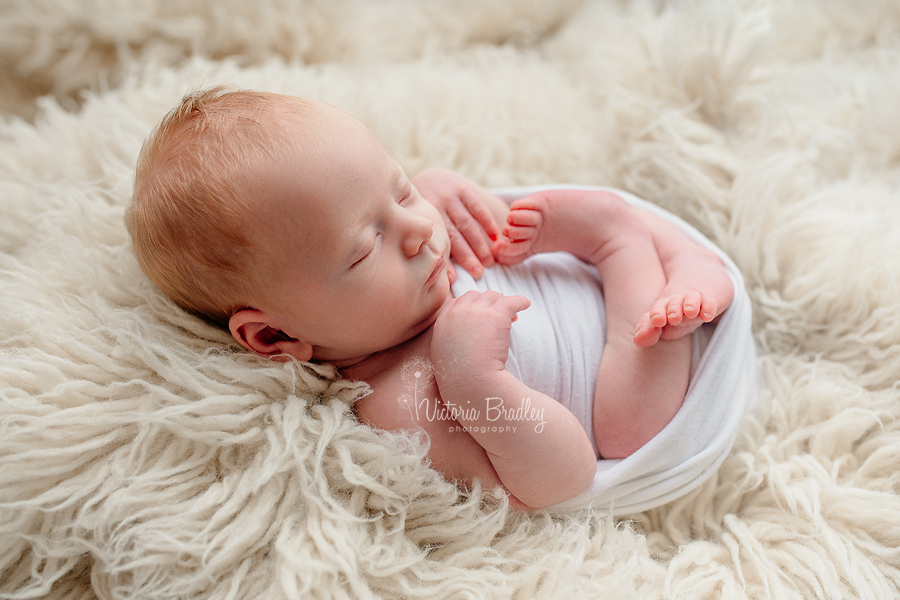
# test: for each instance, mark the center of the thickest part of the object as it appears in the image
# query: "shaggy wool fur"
(142, 455)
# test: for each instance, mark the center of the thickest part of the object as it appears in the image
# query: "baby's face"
(357, 259)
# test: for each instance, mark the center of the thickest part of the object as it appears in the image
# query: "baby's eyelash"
(367, 254)
(406, 195)
(361, 259)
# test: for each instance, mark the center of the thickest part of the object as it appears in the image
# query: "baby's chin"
(445, 291)
(442, 295)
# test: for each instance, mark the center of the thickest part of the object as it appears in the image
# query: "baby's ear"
(251, 330)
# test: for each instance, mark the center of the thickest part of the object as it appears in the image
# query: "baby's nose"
(420, 231)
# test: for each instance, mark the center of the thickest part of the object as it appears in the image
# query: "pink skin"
(675, 316)
(465, 208)
(352, 260)
(644, 263)
(682, 307)
(353, 268)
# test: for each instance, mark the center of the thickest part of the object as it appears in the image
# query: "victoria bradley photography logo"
(492, 414)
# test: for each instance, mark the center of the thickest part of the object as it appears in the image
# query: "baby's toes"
(675, 310)
(519, 234)
(510, 253)
(692, 304)
(524, 217)
(709, 311)
(647, 334)
(658, 313)
(534, 202)
(676, 332)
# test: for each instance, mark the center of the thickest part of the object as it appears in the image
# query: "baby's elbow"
(517, 504)
(577, 478)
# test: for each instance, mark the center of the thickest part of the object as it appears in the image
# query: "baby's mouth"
(436, 271)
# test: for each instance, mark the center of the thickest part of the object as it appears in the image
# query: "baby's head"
(284, 220)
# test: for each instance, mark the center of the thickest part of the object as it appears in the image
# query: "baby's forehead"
(319, 187)
(301, 230)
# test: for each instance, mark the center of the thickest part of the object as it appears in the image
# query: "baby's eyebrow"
(354, 242)
(350, 246)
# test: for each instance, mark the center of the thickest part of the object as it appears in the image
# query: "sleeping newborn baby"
(284, 220)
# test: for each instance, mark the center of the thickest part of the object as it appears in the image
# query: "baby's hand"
(471, 225)
(470, 341)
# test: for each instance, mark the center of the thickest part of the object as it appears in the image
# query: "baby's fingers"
(462, 253)
(506, 307)
(515, 305)
(476, 227)
(477, 207)
(510, 253)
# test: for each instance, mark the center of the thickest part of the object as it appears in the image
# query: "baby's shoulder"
(386, 367)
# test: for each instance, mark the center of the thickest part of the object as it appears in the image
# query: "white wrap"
(556, 344)
(569, 324)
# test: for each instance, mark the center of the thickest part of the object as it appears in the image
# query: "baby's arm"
(539, 450)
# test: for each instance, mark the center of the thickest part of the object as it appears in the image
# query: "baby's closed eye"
(370, 250)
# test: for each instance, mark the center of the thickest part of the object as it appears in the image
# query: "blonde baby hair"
(192, 197)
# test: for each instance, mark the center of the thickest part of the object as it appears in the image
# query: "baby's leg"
(639, 389)
(697, 288)
(590, 225)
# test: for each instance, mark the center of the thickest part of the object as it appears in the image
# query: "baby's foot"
(556, 220)
(677, 315)
(523, 234)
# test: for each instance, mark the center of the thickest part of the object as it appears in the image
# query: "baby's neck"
(368, 367)
(420, 343)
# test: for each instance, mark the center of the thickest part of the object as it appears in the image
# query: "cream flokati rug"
(143, 456)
